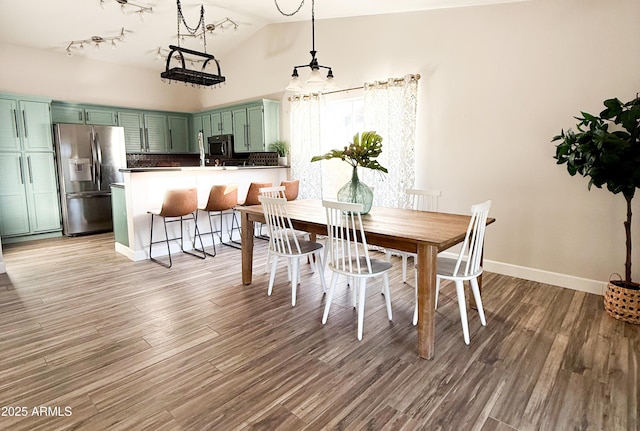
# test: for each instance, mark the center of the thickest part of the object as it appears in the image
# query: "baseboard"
(17, 239)
(563, 280)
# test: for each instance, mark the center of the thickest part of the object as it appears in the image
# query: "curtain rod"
(388, 81)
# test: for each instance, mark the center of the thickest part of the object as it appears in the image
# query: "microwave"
(220, 146)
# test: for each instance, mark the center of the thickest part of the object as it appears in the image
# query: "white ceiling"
(52, 25)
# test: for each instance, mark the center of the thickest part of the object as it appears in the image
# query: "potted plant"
(606, 148)
(361, 152)
(282, 148)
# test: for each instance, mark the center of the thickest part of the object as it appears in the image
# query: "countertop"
(198, 168)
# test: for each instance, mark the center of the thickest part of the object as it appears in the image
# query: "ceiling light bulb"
(122, 9)
(113, 44)
(102, 4)
(69, 53)
(159, 54)
(97, 47)
(315, 77)
(141, 15)
(81, 47)
(235, 29)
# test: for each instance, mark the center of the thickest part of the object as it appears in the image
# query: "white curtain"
(306, 112)
(390, 109)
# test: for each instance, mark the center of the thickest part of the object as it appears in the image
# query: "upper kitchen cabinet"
(25, 125)
(81, 114)
(222, 122)
(144, 132)
(154, 132)
(255, 126)
(211, 123)
(178, 133)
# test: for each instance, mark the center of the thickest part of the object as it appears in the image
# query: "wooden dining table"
(422, 232)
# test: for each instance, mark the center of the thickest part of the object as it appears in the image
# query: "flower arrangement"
(360, 152)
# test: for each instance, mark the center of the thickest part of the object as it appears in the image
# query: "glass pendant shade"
(295, 84)
(315, 78)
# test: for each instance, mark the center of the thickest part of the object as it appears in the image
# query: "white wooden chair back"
(470, 256)
(347, 243)
(282, 238)
(273, 192)
(423, 200)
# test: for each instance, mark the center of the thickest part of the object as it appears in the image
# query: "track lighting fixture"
(96, 41)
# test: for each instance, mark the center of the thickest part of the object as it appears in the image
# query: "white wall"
(498, 82)
(75, 79)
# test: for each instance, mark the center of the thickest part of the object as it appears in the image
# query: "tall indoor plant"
(606, 148)
(361, 152)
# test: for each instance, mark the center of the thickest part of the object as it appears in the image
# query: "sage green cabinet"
(80, 114)
(211, 123)
(255, 126)
(222, 122)
(178, 134)
(144, 132)
(29, 201)
(119, 212)
(25, 124)
(154, 132)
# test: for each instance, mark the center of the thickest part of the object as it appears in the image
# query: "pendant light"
(316, 81)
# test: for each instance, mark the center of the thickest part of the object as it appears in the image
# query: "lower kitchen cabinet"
(29, 202)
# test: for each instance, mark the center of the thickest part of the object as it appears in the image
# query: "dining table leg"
(246, 234)
(427, 262)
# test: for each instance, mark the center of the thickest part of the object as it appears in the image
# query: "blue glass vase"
(356, 191)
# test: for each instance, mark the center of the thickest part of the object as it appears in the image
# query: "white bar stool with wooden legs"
(178, 206)
(222, 200)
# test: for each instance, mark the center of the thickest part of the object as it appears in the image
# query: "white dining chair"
(466, 267)
(283, 242)
(279, 192)
(421, 200)
(349, 256)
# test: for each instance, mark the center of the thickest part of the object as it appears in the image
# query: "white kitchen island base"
(145, 188)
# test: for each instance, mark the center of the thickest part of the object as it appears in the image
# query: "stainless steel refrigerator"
(89, 159)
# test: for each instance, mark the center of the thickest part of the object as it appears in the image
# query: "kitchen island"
(145, 187)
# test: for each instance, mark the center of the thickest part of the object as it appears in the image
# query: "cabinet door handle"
(24, 121)
(146, 137)
(80, 116)
(30, 172)
(86, 117)
(21, 170)
(170, 139)
(15, 121)
(141, 140)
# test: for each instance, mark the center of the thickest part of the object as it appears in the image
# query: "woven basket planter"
(622, 303)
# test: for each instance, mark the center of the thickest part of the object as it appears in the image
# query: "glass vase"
(356, 191)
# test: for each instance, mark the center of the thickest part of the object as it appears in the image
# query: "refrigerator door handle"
(94, 164)
(99, 164)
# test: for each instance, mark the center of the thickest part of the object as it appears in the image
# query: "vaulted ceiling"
(53, 25)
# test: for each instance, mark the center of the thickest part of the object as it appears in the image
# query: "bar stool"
(251, 199)
(222, 200)
(291, 189)
(178, 206)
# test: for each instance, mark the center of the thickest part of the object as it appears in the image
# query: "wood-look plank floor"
(103, 343)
